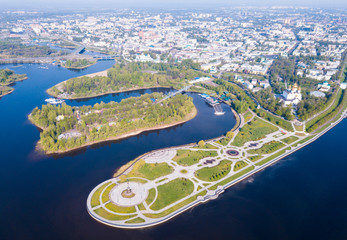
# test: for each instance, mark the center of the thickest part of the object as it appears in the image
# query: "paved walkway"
(189, 172)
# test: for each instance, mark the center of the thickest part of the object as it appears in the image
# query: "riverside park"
(159, 185)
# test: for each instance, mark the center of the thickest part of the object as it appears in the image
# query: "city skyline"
(156, 4)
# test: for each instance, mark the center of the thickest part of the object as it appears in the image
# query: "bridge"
(79, 50)
(175, 93)
(104, 58)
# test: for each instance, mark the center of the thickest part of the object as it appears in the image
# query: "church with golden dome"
(292, 95)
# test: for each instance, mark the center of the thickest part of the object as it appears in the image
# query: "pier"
(174, 94)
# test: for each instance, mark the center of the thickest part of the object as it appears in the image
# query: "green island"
(161, 184)
(78, 63)
(8, 77)
(126, 77)
(65, 128)
(15, 48)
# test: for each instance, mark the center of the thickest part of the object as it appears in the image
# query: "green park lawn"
(150, 171)
(110, 216)
(247, 116)
(119, 209)
(105, 195)
(290, 139)
(188, 157)
(151, 196)
(299, 128)
(255, 158)
(254, 130)
(210, 174)
(267, 148)
(239, 165)
(207, 146)
(172, 191)
(233, 177)
(96, 196)
(175, 207)
(275, 120)
(136, 220)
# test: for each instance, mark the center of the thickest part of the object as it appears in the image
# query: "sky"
(71, 4)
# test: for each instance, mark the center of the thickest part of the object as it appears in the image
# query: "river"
(44, 197)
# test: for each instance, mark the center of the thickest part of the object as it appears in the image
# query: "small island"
(125, 76)
(66, 128)
(78, 63)
(8, 77)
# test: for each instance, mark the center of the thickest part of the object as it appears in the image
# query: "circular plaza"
(128, 194)
(233, 152)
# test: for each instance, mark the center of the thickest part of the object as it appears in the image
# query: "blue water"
(44, 197)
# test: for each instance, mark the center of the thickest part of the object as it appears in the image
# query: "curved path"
(144, 214)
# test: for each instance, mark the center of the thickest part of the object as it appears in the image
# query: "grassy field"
(267, 148)
(255, 158)
(290, 139)
(118, 209)
(299, 128)
(150, 171)
(188, 157)
(96, 196)
(247, 116)
(172, 191)
(254, 130)
(210, 174)
(311, 123)
(141, 207)
(239, 165)
(176, 207)
(275, 120)
(113, 217)
(235, 176)
(151, 196)
(224, 141)
(136, 220)
(105, 195)
(207, 146)
(270, 158)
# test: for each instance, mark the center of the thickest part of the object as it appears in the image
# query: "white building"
(324, 86)
(317, 94)
(248, 85)
(292, 95)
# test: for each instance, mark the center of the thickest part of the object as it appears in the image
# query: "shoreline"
(10, 84)
(223, 187)
(80, 68)
(3, 95)
(107, 93)
(18, 80)
(191, 116)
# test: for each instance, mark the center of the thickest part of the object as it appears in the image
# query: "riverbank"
(150, 219)
(123, 136)
(6, 85)
(79, 68)
(50, 92)
(2, 95)
(100, 74)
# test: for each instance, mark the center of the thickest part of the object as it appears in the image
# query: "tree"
(230, 134)
(201, 143)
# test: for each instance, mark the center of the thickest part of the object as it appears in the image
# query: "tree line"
(105, 120)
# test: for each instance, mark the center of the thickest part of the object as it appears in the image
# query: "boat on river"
(54, 101)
